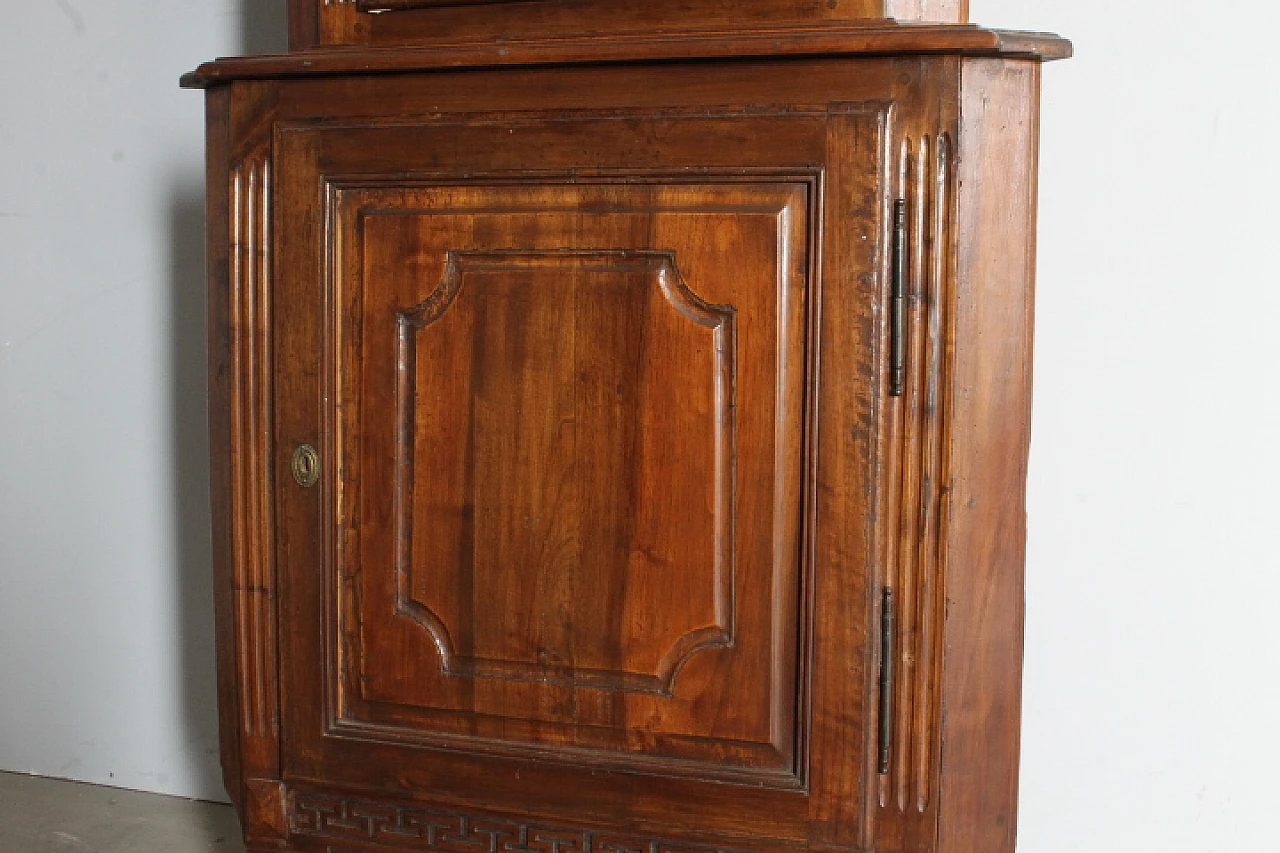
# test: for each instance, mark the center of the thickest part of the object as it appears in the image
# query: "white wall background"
(1152, 711)
(106, 655)
(1152, 693)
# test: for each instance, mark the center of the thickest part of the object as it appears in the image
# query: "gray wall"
(1152, 689)
(106, 658)
(1152, 683)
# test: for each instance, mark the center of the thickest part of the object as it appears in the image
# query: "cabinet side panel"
(249, 498)
(982, 653)
(219, 330)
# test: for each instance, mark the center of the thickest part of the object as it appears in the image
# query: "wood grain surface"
(401, 22)
(592, 351)
(793, 41)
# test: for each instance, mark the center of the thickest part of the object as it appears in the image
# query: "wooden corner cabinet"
(619, 422)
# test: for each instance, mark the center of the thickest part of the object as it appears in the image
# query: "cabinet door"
(588, 545)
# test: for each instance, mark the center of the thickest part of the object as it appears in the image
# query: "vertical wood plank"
(982, 653)
(217, 219)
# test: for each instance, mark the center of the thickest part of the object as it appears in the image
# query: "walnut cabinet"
(619, 438)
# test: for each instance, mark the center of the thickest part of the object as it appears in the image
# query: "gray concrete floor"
(52, 816)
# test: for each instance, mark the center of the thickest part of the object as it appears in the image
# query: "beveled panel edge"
(794, 777)
(611, 761)
(777, 42)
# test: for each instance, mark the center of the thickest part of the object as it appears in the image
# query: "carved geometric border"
(419, 828)
(718, 318)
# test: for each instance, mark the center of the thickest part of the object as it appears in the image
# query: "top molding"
(886, 39)
(369, 23)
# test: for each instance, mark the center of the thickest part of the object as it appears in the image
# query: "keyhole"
(306, 466)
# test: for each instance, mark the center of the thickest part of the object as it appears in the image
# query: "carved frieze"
(420, 828)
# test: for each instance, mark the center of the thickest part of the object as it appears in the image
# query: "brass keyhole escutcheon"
(306, 466)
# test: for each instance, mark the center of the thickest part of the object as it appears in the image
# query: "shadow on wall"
(264, 26)
(190, 487)
(264, 29)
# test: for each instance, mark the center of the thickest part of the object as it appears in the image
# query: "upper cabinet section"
(315, 23)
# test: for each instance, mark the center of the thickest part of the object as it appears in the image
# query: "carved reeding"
(419, 828)
(718, 318)
(933, 510)
(251, 403)
(918, 473)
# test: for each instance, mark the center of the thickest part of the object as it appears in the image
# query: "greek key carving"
(431, 829)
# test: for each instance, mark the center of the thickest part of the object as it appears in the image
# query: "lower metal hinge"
(887, 654)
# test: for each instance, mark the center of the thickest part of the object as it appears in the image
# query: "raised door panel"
(570, 433)
(592, 400)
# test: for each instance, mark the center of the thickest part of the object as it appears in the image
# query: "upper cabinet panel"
(368, 22)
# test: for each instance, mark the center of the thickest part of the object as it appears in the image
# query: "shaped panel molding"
(568, 418)
(585, 276)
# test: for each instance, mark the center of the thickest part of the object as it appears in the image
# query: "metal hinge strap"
(897, 302)
(887, 654)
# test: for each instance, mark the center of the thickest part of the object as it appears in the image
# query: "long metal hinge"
(887, 654)
(897, 301)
